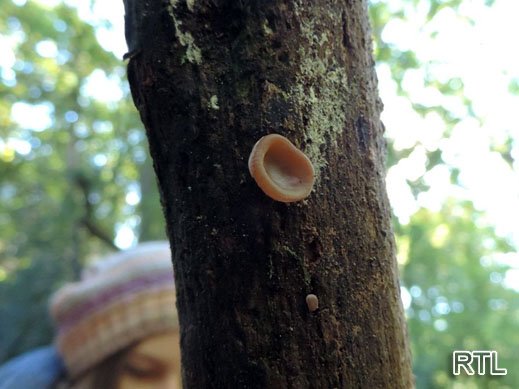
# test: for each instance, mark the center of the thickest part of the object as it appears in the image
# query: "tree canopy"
(76, 179)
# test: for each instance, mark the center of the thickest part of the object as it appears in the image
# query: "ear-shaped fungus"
(280, 169)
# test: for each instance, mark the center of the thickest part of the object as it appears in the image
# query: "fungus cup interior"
(280, 169)
(288, 167)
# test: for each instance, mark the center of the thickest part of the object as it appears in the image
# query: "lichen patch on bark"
(185, 38)
(321, 86)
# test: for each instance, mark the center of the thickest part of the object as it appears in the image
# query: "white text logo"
(476, 362)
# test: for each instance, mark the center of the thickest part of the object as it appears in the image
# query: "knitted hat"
(120, 300)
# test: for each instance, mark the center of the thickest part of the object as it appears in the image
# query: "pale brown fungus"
(280, 169)
(312, 302)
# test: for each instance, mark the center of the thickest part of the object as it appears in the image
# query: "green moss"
(193, 53)
(266, 28)
(286, 251)
(213, 102)
(190, 5)
(319, 93)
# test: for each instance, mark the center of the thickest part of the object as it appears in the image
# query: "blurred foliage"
(64, 187)
(458, 302)
(448, 257)
(68, 188)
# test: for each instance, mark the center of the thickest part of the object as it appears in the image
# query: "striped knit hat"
(120, 300)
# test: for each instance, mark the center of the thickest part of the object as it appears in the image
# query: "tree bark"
(152, 224)
(209, 78)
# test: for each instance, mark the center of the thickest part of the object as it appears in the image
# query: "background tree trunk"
(210, 77)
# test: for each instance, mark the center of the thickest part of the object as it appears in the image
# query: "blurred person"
(117, 328)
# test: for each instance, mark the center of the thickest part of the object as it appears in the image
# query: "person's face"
(153, 363)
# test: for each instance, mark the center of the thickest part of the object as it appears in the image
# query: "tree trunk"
(152, 224)
(209, 78)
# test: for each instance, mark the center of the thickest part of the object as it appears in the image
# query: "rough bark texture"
(210, 77)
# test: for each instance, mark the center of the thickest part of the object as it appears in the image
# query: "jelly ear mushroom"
(280, 169)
